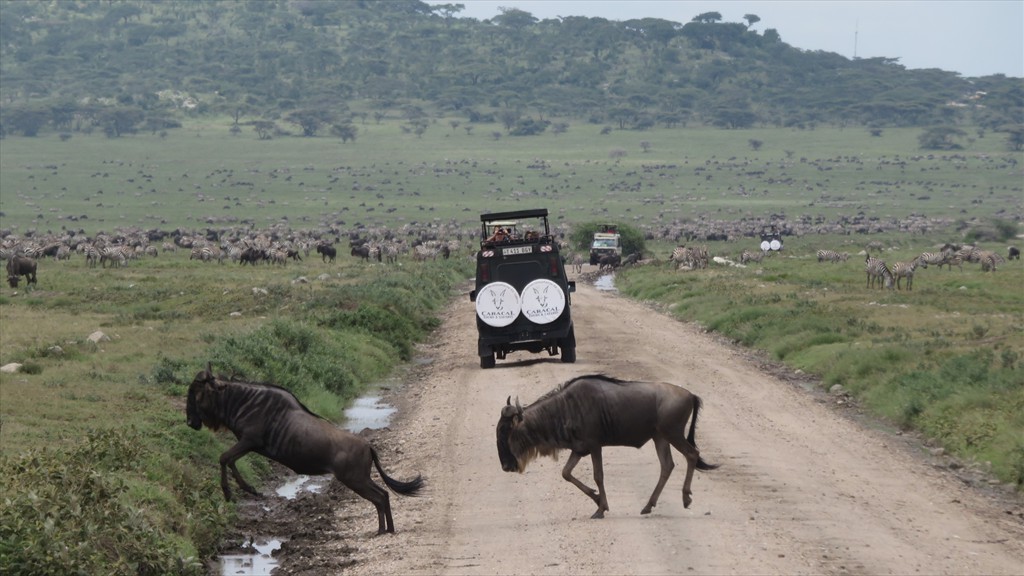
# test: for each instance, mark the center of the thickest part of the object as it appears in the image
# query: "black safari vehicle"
(522, 293)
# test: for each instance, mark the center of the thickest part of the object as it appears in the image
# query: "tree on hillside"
(708, 18)
(310, 120)
(941, 138)
(346, 131)
(751, 19)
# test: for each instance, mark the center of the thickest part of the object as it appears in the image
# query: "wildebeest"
(328, 252)
(362, 251)
(1014, 253)
(609, 262)
(590, 412)
(18, 266)
(270, 421)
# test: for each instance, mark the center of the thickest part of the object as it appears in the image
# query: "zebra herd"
(877, 270)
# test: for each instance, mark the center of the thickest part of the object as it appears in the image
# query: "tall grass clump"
(79, 511)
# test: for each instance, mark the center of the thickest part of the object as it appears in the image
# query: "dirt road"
(803, 488)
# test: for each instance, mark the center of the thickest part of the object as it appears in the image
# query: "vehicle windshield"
(604, 243)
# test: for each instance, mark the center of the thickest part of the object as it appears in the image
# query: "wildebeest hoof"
(687, 499)
(647, 509)
(598, 514)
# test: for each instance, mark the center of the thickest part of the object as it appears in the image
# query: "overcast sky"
(972, 37)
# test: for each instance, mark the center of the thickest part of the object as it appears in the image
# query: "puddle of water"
(260, 564)
(606, 283)
(368, 412)
(291, 488)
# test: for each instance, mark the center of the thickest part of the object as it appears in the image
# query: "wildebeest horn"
(508, 402)
(519, 409)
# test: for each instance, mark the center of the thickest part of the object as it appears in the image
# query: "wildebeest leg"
(380, 499)
(602, 503)
(574, 459)
(227, 460)
(664, 449)
(689, 451)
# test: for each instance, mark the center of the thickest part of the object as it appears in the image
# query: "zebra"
(876, 268)
(688, 257)
(832, 256)
(751, 256)
(577, 263)
(989, 260)
(117, 255)
(390, 251)
(906, 270)
(206, 253)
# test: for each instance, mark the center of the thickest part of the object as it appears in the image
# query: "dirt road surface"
(806, 485)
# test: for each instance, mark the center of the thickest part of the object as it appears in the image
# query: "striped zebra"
(687, 257)
(390, 251)
(989, 260)
(117, 256)
(906, 270)
(91, 253)
(876, 269)
(832, 256)
(751, 256)
(206, 253)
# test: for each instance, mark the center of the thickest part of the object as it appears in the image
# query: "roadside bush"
(72, 512)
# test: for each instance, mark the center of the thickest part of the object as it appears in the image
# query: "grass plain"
(944, 358)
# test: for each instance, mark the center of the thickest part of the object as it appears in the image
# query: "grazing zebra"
(688, 257)
(876, 268)
(117, 255)
(832, 256)
(906, 270)
(206, 253)
(989, 260)
(751, 256)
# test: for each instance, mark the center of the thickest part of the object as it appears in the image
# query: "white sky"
(972, 37)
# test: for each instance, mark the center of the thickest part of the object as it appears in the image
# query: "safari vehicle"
(606, 242)
(522, 292)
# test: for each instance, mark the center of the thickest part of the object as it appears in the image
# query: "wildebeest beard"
(522, 442)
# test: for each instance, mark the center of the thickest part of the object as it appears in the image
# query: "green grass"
(905, 355)
(99, 471)
(943, 358)
(202, 176)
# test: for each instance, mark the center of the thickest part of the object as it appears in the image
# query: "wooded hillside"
(122, 66)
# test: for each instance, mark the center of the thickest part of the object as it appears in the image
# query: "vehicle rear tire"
(569, 354)
(487, 361)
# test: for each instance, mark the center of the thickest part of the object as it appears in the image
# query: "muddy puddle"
(606, 283)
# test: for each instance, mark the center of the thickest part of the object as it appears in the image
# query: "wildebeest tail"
(692, 437)
(410, 488)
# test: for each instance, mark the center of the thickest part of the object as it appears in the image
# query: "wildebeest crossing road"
(803, 488)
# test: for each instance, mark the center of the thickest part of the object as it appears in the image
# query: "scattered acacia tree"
(941, 138)
(751, 19)
(755, 144)
(309, 121)
(346, 131)
(645, 145)
(264, 129)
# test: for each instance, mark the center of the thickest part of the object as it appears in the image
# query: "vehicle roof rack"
(515, 215)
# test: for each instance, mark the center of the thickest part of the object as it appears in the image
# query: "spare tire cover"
(497, 304)
(543, 301)
(765, 246)
(776, 245)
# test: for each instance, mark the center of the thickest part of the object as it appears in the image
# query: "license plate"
(517, 250)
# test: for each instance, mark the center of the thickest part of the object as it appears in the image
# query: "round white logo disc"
(497, 304)
(765, 246)
(543, 301)
(776, 245)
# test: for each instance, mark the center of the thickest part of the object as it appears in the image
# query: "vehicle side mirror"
(572, 285)
(472, 296)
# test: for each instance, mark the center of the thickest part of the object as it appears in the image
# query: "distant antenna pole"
(856, 29)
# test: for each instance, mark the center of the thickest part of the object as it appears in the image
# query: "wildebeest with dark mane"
(589, 412)
(328, 252)
(270, 421)
(18, 266)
